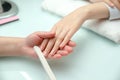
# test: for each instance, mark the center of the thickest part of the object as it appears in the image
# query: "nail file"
(44, 63)
(7, 20)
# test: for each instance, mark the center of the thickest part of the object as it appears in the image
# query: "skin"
(70, 24)
(15, 46)
(112, 3)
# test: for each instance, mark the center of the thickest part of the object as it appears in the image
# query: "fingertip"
(52, 34)
(45, 53)
(49, 56)
(70, 50)
(57, 56)
(72, 44)
(64, 53)
(52, 53)
(41, 48)
(112, 5)
(61, 46)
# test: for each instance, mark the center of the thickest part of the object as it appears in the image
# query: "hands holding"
(37, 38)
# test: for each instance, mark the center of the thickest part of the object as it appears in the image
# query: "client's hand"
(64, 30)
(113, 3)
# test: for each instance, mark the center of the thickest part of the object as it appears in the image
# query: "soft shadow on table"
(104, 39)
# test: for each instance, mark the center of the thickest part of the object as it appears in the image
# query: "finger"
(49, 46)
(62, 52)
(51, 42)
(57, 56)
(65, 51)
(116, 3)
(43, 44)
(60, 38)
(67, 38)
(45, 34)
(109, 3)
(71, 43)
(68, 49)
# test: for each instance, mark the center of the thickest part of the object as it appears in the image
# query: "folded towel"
(106, 28)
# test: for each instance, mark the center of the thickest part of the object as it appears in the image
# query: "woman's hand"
(64, 30)
(113, 3)
(37, 38)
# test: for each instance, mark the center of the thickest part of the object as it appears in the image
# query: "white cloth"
(106, 28)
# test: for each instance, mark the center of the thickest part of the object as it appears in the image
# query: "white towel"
(106, 28)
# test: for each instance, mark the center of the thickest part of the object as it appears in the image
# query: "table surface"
(94, 57)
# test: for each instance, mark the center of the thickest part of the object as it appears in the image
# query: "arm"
(10, 46)
(14, 46)
(66, 27)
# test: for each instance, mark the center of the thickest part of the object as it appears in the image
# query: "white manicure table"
(94, 57)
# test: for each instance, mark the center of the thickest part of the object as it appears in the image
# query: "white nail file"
(44, 63)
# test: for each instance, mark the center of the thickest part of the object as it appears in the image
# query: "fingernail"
(49, 56)
(112, 5)
(52, 53)
(45, 53)
(41, 48)
(61, 46)
(57, 57)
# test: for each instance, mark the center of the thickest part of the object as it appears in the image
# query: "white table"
(94, 58)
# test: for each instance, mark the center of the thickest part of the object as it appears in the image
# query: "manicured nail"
(45, 53)
(112, 5)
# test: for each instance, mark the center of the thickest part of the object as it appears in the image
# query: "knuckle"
(60, 38)
(68, 36)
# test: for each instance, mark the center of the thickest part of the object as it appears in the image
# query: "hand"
(113, 3)
(37, 38)
(64, 30)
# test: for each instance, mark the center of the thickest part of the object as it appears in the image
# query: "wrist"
(25, 49)
(82, 14)
(10, 46)
(20, 47)
(96, 11)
